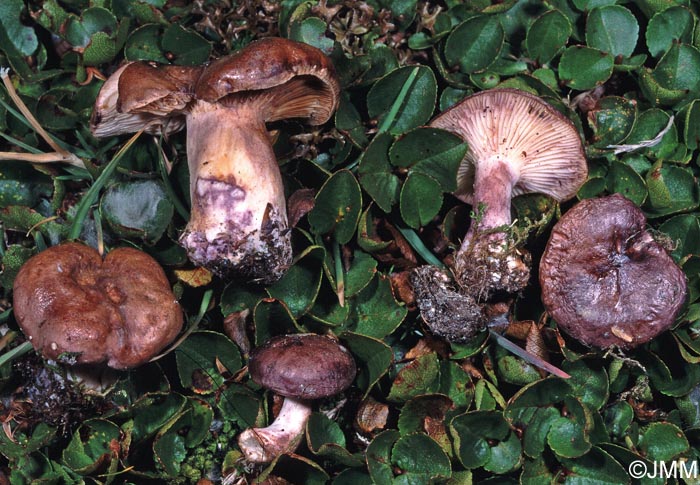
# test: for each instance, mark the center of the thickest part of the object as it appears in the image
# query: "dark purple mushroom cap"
(302, 366)
(605, 280)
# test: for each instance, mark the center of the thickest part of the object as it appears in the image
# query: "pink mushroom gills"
(604, 278)
(78, 308)
(518, 144)
(302, 368)
(238, 222)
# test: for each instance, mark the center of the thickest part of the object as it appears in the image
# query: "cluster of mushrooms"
(81, 309)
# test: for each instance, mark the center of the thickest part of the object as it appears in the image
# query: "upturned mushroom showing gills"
(604, 278)
(238, 222)
(518, 144)
(302, 368)
(78, 308)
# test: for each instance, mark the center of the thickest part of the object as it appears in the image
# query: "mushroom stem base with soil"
(262, 445)
(489, 259)
(239, 217)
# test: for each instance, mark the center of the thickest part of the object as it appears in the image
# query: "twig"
(61, 154)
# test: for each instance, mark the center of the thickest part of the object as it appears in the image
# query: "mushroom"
(77, 308)
(300, 367)
(238, 223)
(604, 278)
(518, 144)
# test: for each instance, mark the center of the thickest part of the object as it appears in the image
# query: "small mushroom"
(77, 308)
(238, 223)
(302, 368)
(604, 278)
(518, 144)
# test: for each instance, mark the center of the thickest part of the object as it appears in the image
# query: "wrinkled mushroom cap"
(541, 145)
(302, 366)
(605, 280)
(144, 95)
(119, 311)
(291, 80)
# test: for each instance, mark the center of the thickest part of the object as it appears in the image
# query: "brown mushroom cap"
(541, 145)
(605, 280)
(288, 79)
(119, 311)
(143, 95)
(302, 366)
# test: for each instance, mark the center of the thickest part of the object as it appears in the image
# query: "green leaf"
(326, 439)
(624, 180)
(420, 376)
(584, 67)
(420, 200)
(475, 43)
(679, 68)
(612, 120)
(662, 441)
(569, 436)
(312, 31)
(430, 151)
(144, 44)
(92, 446)
(338, 206)
(673, 24)
(377, 313)
(684, 231)
(691, 132)
(22, 185)
(185, 47)
(23, 38)
(361, 272)
(421, 458)
(612, 29)
(483, 438)
(589, 383)
(414, 108)
(197, 358)
(299, 286)
(375, 173)
(671, 189)
(596, 466)
(372, 356)
(139, 208)
(547, 36)
(379, 457)
(241, 405)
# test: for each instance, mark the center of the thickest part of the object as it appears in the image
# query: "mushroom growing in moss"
(302, 368)
(76, 307)
(238, 223)
(518, 144)
(604, 278)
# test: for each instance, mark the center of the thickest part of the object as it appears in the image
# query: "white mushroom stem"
(262, 445)
(238, 220)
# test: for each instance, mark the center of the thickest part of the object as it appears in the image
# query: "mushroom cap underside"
(302, 366)
(120, 311)
(605, 280)
(542, 146)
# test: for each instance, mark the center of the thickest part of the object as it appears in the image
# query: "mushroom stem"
(493, 188)
(239, 218)
(262, 445)
(487, 260)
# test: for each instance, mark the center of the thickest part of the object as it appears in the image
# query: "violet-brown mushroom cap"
(119, 311)
(542, 146)
(144, 95)
(605, 280)
(302, 366)
(293, 79)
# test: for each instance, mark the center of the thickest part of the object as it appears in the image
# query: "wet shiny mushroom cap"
(605, 280)
(302, 366)
(78, 308)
